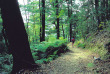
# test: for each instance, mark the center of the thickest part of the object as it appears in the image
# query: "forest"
(55, 37)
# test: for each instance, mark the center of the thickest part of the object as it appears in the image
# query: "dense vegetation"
(66, 18)
(79, 19)
(50, 25)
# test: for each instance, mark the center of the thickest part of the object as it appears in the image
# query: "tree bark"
(109, 9)
(97, 13)
(107, 13)
(69, 18)
(16, 35)
(103, 11)
(57, 14)
(40, 21)
(43, 20)
(63, 32)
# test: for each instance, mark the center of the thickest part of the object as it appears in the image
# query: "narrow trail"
(73, 62)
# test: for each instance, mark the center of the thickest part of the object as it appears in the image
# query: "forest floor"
(76, 61)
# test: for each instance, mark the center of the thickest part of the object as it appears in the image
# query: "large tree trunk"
(43, 20)
(16, 35)
(57, 14)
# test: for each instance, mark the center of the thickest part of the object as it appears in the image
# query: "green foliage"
(61, 13)
(5, 63)
(84, 22)
(95, 45)
(108, 26)
(51, 1)
(52, 39)
(41, 61)
(99, 49)
(48, 51)
(0, 25)
(82, 45)
(90, 65)
(52, 42)
(61, 38)
(107, 56)
(42, 47)
(81, 41)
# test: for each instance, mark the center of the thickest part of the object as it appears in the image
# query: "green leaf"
(51, 1)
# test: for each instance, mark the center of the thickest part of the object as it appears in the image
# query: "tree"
(16, 35)
(63, 32)
(109, 8)
(97, 13)
(57, 15)
(69, 17)
(107, 16)
(40, 21)
(43, 20)
(103, 11)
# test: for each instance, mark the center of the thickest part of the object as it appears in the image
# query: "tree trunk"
(69, 18)
(97, 13)
(103, 11)
(63, 32)
(109, 9)
(40, 21)
(107, 13)
(43, 20)
(16, 35)
(70, 32)
(57, 14)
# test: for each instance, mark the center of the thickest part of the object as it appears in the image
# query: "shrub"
(42, 47)
(47, 51)
(82, 45)
(5, 63)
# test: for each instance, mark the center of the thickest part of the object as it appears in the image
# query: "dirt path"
(74, 62)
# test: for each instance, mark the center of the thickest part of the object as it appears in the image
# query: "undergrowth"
(94, 47)
(42, 53)
(5, 63)
(49, 50)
